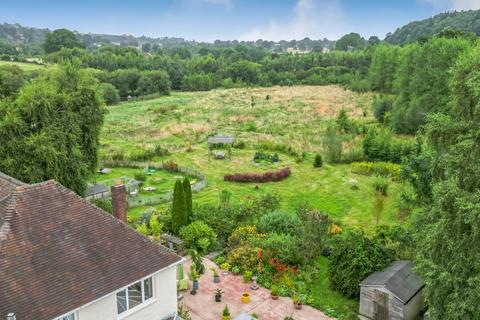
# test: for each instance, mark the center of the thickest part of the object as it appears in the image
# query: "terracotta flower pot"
(274, 297)
(297, 306)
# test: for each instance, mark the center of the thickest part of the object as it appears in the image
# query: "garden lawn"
(329, 301)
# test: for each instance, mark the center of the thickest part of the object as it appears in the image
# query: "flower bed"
(259, 177)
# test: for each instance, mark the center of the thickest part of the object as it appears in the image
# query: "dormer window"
(134, 295)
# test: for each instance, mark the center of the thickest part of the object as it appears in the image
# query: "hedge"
(385, 169)
(259, 177)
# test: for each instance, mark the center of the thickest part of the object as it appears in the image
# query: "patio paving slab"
(203, 305)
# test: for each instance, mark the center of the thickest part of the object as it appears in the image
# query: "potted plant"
(216, 276)
(225, 267)
(288, 318)
(218, 295)
(275, 292)
(236, 270)
(247, 276)
(193, 275)
(245, 297)
(297, 302)
(226, 313)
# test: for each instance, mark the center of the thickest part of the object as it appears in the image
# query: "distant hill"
(464, 20)
(20, 36)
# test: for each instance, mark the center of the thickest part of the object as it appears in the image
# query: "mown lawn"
(328, 300)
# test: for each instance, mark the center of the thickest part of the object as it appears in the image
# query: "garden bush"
(384, 169)
(259, 177)
(265, 157)
(198, 235)
(171, 166)
(280, 222)
(353, 258)
(381, 145)
(244, 257)
(141, 176)
(104, 204)
(284, 248)
(110, 93)
(381, 107)
(318, 162)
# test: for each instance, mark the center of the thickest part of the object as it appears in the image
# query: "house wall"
(414, 306)
(367, 298)
(163, 304)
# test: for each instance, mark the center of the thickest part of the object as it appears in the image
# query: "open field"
(25, 66)
(292, 116)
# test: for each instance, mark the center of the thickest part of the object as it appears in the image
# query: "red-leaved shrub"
(259, 177)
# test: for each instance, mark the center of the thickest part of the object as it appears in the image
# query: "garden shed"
(392, 294)
(216, 142)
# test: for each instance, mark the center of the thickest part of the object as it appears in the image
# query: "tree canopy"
(51, 129)
(61, 38)
(447, 181)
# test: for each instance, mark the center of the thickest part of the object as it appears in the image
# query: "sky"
(208, 20)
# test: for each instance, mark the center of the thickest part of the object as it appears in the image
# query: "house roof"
(7, 185)
(220, 139)
(96, 188)
(58, 252)
(398, 278)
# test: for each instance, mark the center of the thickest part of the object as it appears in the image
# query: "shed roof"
(220, 139)
(96, 188)
(398, 278)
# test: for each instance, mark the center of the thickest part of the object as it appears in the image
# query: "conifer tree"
(179, 208)
(187, 188)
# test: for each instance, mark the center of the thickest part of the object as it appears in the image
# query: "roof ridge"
(11, 179)
(5, 227)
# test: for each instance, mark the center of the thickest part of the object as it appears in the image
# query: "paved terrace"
(203, 305)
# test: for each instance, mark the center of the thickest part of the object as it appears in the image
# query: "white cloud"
(310, 18)
(454, 4)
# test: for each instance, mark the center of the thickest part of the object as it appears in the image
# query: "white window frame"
(74, 313)
(144, 302)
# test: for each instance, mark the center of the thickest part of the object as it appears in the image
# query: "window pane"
(71, 316)
(121, 301)
(134, 295)
(148, 288)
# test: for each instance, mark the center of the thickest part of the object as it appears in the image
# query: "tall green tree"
(382, 68)
(187, 188)
(350, 41)
(51, 130)
(427, 83)
(61, 38)
(179, 208)
(447, 181)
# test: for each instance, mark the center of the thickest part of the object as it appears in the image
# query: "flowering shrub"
(259, 177)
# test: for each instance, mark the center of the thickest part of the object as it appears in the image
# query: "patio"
(203, 305)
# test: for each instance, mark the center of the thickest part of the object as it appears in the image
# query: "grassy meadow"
(25, 66)
(283, 116)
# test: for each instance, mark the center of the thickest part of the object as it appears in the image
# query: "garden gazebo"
(214, 142)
